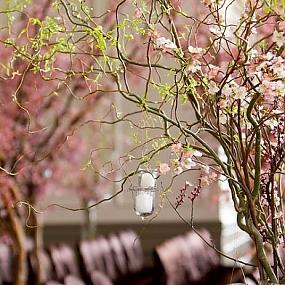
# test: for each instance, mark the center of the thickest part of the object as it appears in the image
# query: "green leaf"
(35, 21)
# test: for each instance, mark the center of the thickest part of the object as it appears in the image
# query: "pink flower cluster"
(182, 160)
(38, 114)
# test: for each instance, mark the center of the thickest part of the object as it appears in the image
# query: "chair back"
(107, 256)
(185, 259)
(94, 256)
(119, 255)
(6, 260)
(170, 261)
(115, 256)
(64, 261)
(202, 258)
(46, 273)
(133, 249)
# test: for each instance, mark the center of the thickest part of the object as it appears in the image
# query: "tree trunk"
(20, 273)
(89, 227)
(37, 236)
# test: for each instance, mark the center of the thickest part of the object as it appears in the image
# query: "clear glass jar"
(144, 193)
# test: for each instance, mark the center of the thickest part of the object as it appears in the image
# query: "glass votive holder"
(145, 193)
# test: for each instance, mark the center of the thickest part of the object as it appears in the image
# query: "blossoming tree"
(163, 55)
(45, 106)
(234, 83)
(231, 74)
(233, 80)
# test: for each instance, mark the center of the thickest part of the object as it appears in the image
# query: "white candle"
(147, 180)
(144, 203)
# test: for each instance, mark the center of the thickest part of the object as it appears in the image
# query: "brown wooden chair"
(136, 274)
(119, 255)
(85, 258)
(96, 261)
(64, 261)
(133, 250)
(47, 271)
(188, 259)
(170, 263)
(108, 257)
(6, 261)
(201, 258)
(93, 258)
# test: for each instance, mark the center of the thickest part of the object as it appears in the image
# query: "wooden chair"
(201, 257)
(93, 257)
(170, 263)
(189, 260)
(119, 255)
(47, 272)
(136, 273)
(6, 261)
(133, 250)
(64, 261)
(106, 254)
(85, 258)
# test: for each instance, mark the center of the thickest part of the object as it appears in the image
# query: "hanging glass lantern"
(144, 192)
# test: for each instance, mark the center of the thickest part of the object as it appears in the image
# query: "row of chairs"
(191, 260)
(102, 261)
(118, 260)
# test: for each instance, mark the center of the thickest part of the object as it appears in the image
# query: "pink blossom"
(195, 50)
(239, 92)
(278, 67)
(213, 88)
(282, 26)
(213, 72)
(205, 180)
(278, 38)
(188, 163)
(162, 42)
(178, 170)
(197, 153)
(194, 66)
(163, 168)
(192, 152)
(213, 176)
(176, 147)
(206, 168)
(188, 153)
(138, 13)
(216, 30)
(153, 34)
